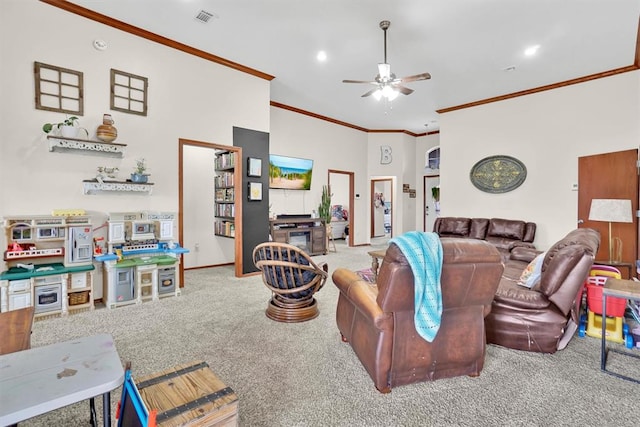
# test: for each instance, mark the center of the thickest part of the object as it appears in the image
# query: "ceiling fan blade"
(423, 76)
(360, 81)
(369, 93)
(403, 89)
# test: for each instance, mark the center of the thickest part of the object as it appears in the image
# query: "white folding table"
(42, 379)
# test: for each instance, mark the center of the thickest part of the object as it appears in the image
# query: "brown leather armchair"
(378, 320)
(538, 319)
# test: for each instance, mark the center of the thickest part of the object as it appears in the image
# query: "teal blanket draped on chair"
(423, 251)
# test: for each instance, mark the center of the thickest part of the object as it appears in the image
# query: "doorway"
(341, 184)
(431, 201)
(381, 207)
(621, 182)
(431, 179)
(195, 209)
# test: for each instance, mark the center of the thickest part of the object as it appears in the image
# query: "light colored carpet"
(303, 375)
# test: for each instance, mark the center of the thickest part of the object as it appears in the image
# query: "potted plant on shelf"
(139, 174)
(66, 128)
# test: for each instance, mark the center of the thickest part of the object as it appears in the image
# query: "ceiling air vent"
(204, 16)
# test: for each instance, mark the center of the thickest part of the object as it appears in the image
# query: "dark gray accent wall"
(255, 214)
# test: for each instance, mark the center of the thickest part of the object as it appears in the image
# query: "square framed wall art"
(254, 167)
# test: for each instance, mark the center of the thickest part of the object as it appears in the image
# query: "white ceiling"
(464, 44)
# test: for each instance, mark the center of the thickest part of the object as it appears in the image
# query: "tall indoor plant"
(324, 208)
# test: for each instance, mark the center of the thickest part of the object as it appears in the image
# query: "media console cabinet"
(309, 234)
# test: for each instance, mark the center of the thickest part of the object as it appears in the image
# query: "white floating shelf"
(57, 143)
(33, 253)
(95, 187)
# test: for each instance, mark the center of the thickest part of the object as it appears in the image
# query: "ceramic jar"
(106, 131)
(68, 131)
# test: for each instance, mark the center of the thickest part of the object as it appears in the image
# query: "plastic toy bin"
(615, 306)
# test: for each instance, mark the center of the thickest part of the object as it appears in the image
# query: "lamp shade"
(610, 210)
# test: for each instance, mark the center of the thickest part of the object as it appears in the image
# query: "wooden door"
(610, 176)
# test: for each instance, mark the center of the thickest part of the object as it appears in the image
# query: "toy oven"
(166, 280)
(47, 294)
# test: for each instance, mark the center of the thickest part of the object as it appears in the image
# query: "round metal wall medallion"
(498, 174)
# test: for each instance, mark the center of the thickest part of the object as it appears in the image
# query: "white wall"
(185, 101)
(396, 170)
(547, 131)
(423, 144)
(409, 175)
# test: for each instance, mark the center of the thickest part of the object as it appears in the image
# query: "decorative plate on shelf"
(498, 174)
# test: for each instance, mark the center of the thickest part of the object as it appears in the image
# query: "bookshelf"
(225, 192)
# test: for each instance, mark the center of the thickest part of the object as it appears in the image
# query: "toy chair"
(616, 330)
(132, 411)
(15, 330)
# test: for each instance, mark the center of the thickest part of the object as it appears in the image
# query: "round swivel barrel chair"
(293, 279)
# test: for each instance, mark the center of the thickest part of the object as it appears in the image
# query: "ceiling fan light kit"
(387, 85)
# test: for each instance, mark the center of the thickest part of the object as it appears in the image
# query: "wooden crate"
(189, 395)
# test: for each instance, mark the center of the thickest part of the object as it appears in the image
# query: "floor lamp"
(611, 210)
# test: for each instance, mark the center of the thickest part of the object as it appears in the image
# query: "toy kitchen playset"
(142, 259)
(50, 263)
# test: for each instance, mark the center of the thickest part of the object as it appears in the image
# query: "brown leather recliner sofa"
(504, 234)
(378, 321)
(537, 319)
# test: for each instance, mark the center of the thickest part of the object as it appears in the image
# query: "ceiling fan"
(387, 84)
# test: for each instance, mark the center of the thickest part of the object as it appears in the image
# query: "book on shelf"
(224, 195)
(224, 179)
(225, 161)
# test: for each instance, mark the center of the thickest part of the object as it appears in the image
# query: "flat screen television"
(290, 173)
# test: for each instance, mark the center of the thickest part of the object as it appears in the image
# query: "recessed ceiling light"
(321, 56)
(531, 50)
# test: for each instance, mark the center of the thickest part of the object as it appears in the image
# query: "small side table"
(629, 266)
(375, 265)
(621, 289)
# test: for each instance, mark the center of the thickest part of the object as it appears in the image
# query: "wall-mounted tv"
(289, 173)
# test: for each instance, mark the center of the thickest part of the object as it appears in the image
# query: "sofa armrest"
(524, 253)
(529, 232)
(513, 295)
(514, 245)
(362, 295)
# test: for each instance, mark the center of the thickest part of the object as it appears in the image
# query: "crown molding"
(103, 19)
(349, 125)
(542, 88)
